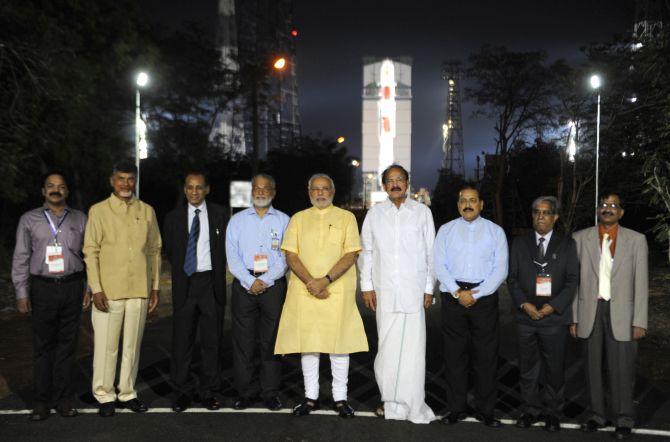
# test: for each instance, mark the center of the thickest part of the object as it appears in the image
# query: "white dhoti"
(400, 366)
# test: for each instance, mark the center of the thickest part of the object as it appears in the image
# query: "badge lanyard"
(542, 281)
(55, 229)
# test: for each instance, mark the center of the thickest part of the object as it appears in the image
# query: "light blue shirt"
(248, 235)
(473, 251)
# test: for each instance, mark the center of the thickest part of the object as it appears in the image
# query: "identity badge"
(275, 240)
(55, 259)
(543, 285)
(260, 263)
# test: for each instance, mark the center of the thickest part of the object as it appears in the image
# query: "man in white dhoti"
(396, 268)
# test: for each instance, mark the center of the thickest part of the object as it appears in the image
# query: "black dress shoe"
(552, 424)
(621, 433)
(241, 403)
(107, 409)
(590, 426)
(454, 417)
(525, 420)
(343, 409)
(211, 403)
(39, 413)
(273, 403)
(66, 409)
(133, 405)
(305, 407)
(181, 403)
(489, 421)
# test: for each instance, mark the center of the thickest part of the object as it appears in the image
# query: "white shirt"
(203, 252)
(396, 260)
(547, 238)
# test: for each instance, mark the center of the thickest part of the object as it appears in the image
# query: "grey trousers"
(619, 359)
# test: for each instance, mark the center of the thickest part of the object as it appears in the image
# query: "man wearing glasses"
(543, 277)
(610, 312)
(320, 313)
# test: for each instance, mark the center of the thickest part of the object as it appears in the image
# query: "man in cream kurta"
(122, 246)
(320, 313)
(396, 267)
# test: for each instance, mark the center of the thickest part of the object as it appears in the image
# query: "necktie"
(605, 275)
(540, 248)
(191, 260)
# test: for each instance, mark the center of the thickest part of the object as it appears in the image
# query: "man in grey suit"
(610, 311)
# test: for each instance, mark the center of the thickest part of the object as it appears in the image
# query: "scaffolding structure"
(452, 128)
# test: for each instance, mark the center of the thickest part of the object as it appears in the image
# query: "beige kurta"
(321, 237)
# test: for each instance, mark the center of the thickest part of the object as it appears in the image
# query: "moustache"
(395, 188)
(608, 213)
(55, 194)
(468, 209)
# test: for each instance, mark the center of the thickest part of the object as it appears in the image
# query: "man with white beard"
(255, 258)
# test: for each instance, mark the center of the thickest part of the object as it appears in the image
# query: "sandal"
(379, 412)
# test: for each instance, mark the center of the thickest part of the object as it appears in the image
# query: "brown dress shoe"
(39, 413)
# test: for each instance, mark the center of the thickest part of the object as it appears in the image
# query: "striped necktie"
(191, 260)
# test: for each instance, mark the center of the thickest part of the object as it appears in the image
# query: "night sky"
(335, 35)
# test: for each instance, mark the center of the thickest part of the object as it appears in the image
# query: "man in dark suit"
(543, 278)
(193, 238)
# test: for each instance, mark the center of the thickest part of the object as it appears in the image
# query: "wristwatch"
(330, 280)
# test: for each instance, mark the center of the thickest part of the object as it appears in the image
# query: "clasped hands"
(466, 297)
(317, 287)
(257, 287)
(536, 314)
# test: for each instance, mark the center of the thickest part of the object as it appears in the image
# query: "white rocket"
(387, 114)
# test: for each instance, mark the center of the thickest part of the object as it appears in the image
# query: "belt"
(78, 276)
(252, 273)
(468, 285)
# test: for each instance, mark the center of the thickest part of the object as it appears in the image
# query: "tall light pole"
(595, 84)
(140, 128)
(279, 65)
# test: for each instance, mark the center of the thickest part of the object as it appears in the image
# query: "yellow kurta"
(321, 237)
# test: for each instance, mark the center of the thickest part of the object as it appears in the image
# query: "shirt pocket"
(140, 230)
(411, 237)
(74, 240)
(335, 235)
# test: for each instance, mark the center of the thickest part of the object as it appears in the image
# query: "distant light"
(623, 154)
(142, 79)
(355, 163)
(294, 32)
(632, 154)
(595, 81)
(572, 145)
(451, 82)
(340, 140)
(637, 46)
(280, 63)
(632, 98)
(370, 176)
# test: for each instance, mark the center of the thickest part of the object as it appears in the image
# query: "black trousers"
(619, 364)
(471, 333)
(256, 317)
(199, 312)
(56, 315)
(542, 346)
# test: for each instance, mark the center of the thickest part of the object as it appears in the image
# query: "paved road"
(653, 404)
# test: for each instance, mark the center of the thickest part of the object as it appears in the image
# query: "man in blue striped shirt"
(253, 251)
(470, 256)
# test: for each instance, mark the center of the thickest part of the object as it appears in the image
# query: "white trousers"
(339, 367)
(400, 366)
(129, 314)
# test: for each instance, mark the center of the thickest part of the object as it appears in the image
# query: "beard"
(262, 203)
(321, 204)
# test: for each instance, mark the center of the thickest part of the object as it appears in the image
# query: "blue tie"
(191, 260)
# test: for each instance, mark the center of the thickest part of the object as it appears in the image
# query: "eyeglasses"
(543, 212)
(609, 206)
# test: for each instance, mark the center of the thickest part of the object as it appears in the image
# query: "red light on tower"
(294, 32)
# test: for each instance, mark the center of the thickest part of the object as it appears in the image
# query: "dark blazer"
(562, 265)
(175, 239)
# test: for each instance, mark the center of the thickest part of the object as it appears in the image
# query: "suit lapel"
(182, 227)
(593, 249)
(214, 229)
(622, 245)
(552, 246)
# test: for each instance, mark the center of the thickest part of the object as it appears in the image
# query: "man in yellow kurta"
(320, 313)
(122, 251)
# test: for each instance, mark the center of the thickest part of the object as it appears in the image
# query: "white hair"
(320, 175)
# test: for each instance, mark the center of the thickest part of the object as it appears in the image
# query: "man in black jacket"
(193, 240)
(543, 278)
